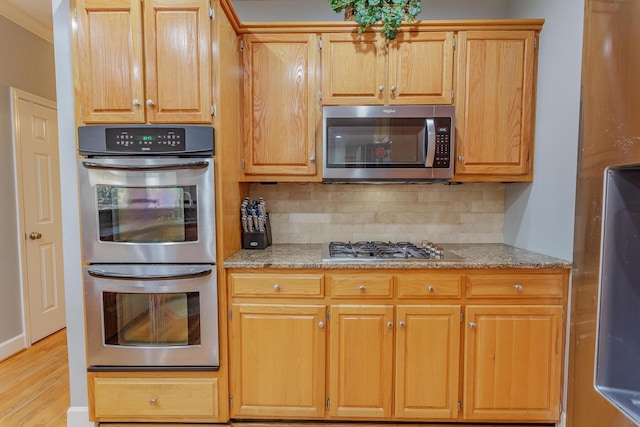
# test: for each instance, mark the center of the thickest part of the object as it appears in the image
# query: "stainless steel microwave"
(408, 143)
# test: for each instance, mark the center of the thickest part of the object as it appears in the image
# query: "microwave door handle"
(431, 143)
(124, 276)
(147, 168)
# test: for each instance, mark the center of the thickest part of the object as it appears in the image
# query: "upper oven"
(147, 194)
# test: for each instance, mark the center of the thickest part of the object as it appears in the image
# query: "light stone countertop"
(474, 255)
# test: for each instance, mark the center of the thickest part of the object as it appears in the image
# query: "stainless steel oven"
(148, 244)
(151, 315)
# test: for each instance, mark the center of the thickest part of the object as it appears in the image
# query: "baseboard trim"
(78, 416)
(12, 346)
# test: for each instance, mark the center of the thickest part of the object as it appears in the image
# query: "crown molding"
(26, 21)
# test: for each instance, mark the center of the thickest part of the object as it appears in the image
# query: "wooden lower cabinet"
(513, 362)
(427, 361)
(128, 397)
(361, 361)
(277, 360)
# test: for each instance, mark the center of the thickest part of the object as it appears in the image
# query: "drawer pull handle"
(321, 324)
(518, 288)
(276, 287)
(389, 325)
(431, 289)
(402, 324)
(153, 401)
(472, 325)
(362, 288)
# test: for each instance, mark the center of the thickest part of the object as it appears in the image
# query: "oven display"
(145, 140)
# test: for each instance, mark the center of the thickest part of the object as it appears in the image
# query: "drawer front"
(171, 397)
(361, 285)
(514, 285)
(276, 285)
(429, 285)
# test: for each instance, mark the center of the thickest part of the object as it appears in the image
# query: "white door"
(38, 186)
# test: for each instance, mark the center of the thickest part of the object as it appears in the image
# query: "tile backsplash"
(441, 213)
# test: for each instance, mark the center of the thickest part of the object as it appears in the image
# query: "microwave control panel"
(443, 142)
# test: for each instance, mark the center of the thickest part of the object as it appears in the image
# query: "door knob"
(35, 235)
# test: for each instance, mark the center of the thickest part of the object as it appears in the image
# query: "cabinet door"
(277, 355)
(513, 363)
(495, 105)
(178, 61)
(353, 69)
(427, 361)
(361, 361)
(110, 64)
(421, 68)
(280, 104)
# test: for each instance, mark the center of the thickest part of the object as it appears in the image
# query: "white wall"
(70, 218)
(540, 216)
(319, 10)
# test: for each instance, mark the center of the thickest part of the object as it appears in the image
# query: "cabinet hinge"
(81, 111)
(452, 93)
(230, 401)
(320, 44)
(564, 316)
(535, 42)
(327, 403)
(75, 14)
(459, 405)
(241, 45)
(213, 110)
(461, 316)
(242, 163)
(230, 314)
(328, 316)
(212, 13)
(320, 96)
(454, 42)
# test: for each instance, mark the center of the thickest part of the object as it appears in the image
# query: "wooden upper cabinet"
(110, 64)
(280, 104)
(362, 69)
(495, 105)
(144, 64)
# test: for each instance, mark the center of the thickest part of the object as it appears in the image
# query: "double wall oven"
(148, 245)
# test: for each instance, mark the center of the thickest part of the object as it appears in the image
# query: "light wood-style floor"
(34, 385)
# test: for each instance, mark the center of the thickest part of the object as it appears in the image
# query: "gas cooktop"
(386, 251)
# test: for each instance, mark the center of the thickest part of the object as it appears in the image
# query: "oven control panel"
(135, 140)
(140, 140)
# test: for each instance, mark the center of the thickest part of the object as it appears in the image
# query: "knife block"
(257, 239)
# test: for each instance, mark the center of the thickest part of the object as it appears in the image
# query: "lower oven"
(146, 315)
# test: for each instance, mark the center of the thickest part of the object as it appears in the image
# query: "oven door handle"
(145, 168)
(124, 276)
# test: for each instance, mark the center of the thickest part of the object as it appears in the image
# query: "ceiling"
(34, 15)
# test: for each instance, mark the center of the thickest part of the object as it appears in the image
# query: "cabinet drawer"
(189, 398)
(514, 285)
(276, 285)
(361, 285)
(429, 285)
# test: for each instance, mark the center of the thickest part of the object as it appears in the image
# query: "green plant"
(390, 13)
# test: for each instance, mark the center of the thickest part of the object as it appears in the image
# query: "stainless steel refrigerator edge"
(610, 135)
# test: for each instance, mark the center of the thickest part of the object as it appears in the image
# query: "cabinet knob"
(276, 287)
(150, 103)
(431, 289)
(136, 103)
(394, 88)
(472, 325)
(153, 401)
(402, 324)
(381, 88)
(312, 159)
(362, 288)
(321, 324)
(389, 325)
(461, 159)
(518, 287)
